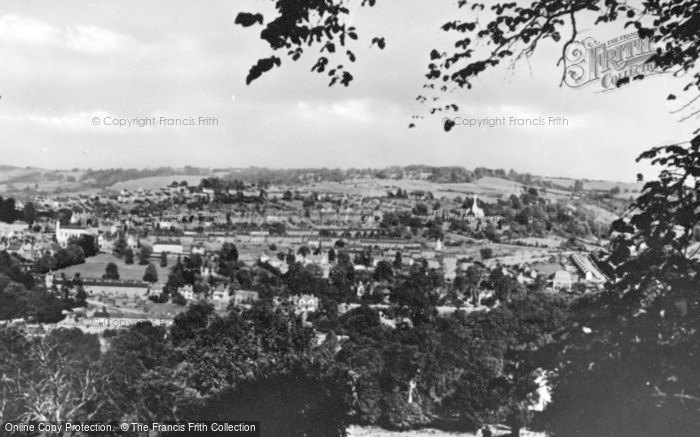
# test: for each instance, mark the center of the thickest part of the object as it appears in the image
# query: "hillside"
(154, 182)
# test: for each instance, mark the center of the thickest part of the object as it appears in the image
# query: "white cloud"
(346, 110)
(27, 30)
(94, 39)
(70, 121)
(89, 39)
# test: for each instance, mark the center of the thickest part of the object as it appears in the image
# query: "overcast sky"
(65, 63)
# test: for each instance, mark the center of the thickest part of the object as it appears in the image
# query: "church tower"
(476, 211)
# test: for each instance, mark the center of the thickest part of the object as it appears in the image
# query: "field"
(596, 185)
(94, 267)
(156, 182)
(488, 188)
(17, 179)
(14, 180)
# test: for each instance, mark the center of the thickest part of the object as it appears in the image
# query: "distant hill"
(596, 185)
(454, 179)
(106, 178)
(154, 182)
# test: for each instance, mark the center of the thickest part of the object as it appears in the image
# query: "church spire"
(475, 210)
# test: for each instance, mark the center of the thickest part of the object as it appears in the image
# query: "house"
(197, 249)
(280, 265)
(562, 280)
(305, 303)
(117, 288)
(587, 269)
(27, 251)
(132, 242)
(450, 267)
(259, 236)
(242, 297)
(433, 265)
(11, 229)
(220, 296)
(105, 244)
(187, 292)
(167, 247)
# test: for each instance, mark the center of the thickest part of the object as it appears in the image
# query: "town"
(147, 253)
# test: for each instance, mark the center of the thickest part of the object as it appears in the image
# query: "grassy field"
(40, 179)
(597, 185)
(156, 182)
(486, 188)
(94, 267)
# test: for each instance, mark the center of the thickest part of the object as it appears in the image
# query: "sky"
(71, 68)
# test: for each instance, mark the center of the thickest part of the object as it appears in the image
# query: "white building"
(306, 303)
(562, 280)
(167, 247)
(259, 236)
(11, 229)
(475, 210)
(587, 269)
(65, 232)
(197, 249)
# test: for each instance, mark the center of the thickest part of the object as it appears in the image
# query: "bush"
(178, 299)
(151, 274)
(398, 414)
(111, 272)
(144, 254)
(158, 298)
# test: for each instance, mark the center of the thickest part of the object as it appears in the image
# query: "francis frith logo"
(610, 63)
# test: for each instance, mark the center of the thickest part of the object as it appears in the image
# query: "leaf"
(320, 65)
(246, 19)
(379, 41)
(262, 66)
(347, 78)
